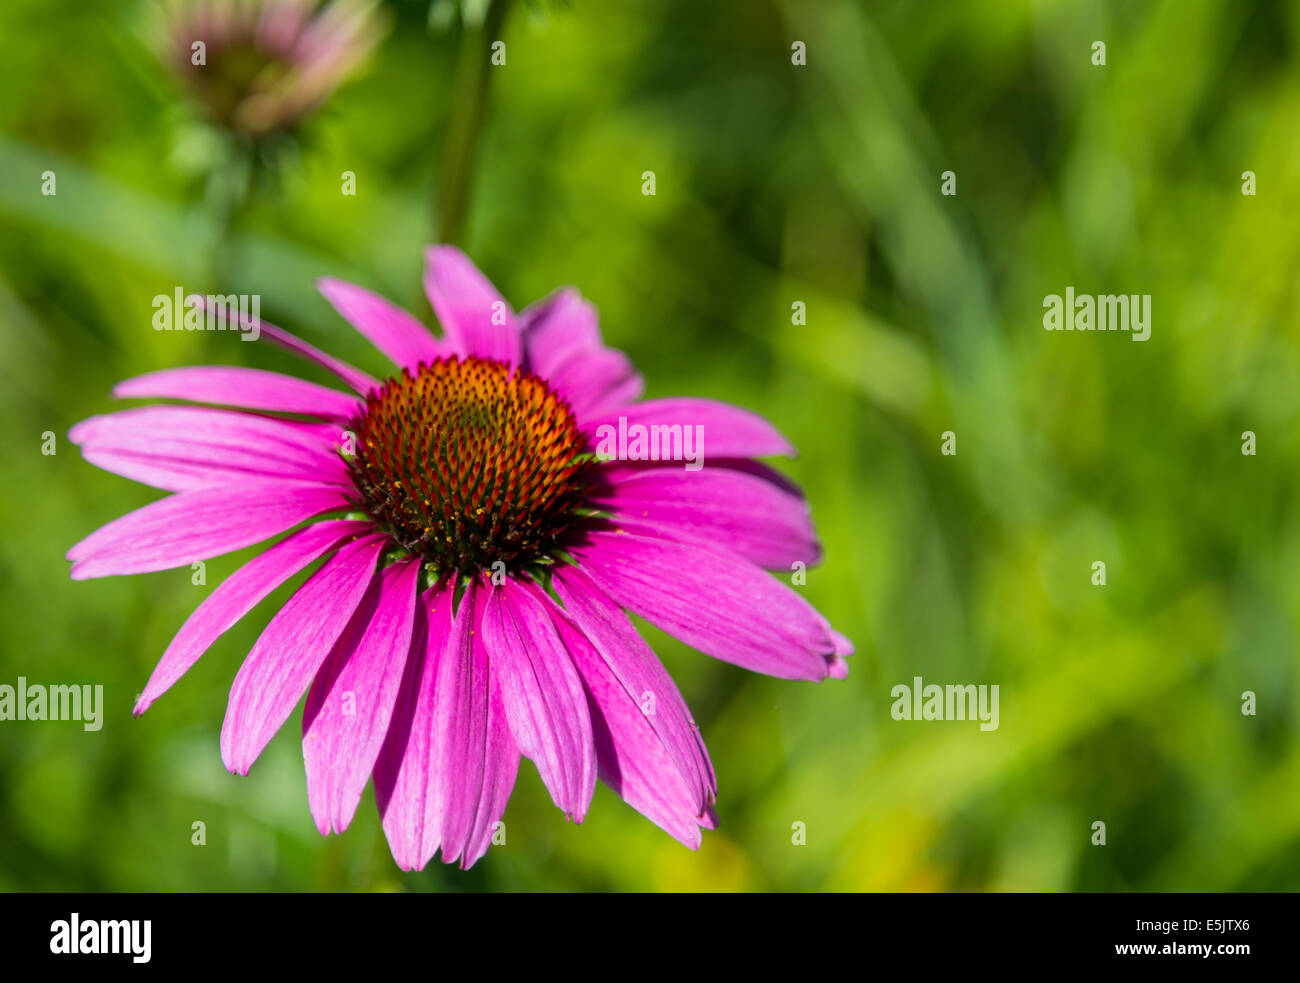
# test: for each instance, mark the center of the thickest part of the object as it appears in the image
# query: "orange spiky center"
(468, 463)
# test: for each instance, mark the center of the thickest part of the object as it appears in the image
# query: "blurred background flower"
(775, 184)
(260, 67)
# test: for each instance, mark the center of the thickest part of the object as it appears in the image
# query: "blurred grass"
(775, 184)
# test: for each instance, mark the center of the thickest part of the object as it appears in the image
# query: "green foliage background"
(775, 183)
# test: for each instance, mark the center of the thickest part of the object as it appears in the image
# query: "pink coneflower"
(479, 556)
(259, 66)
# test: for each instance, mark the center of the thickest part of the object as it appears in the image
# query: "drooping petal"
(403, 772)
(449, 763)
(631, 758)
(716, 602)
(716, 507)
(291, 650)
(545, 704)
(198, 525)
(252, 389)
(184, 448)
(459, 725)
(362, 382)
(351, 701)
(725, 430)
(389, 328)
(646, 683)
(240, 593)
(502, 765)
(473, 315)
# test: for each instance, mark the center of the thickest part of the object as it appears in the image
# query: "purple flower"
(260, 66)
(478, 558)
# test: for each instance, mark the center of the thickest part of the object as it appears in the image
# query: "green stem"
(473, 80)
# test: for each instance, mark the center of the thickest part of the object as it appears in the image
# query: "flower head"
(258, 67)
(478, 552)
(470, 463)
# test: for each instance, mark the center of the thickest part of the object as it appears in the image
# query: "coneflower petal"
(474, 316)
(240, 593)
(360, 381)
(728, 431)
(715, 507)
(351, 700)
(545, 703)
(252, 389)
(389, 328)
(182, 448)
(460, 723)
(290, 651)
(198, 525)
(716, 602)
(561, 337)
(644, 679)
(630, 756)
(501, 757)
(449, 762)
(596, 382)
(403, 774)
(556, 327)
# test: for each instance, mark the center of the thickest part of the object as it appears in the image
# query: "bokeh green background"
(775, 184)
